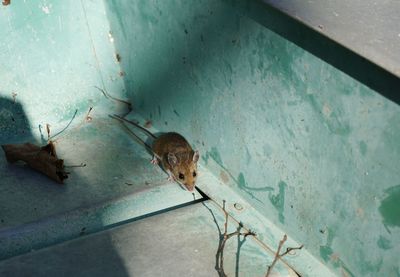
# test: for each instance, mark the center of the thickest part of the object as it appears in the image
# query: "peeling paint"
(329, 256)
(275, 112)
(384, 243)
(279, 201)
(390, 208)
(363, 147)
(326, 250)
(214, 154)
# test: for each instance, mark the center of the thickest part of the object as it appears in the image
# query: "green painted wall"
(52, 55)
(314, 150)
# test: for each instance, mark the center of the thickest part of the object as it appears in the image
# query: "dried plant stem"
(107, 95)
(225, 236)
(278, 255)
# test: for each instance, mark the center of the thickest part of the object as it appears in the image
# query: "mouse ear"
(172, 159)
(196, 156)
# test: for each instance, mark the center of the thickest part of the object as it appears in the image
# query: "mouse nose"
(189, 187)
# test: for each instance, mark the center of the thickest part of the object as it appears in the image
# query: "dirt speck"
(148, 124)
(118, 57)
(82, 231)
(224, 177)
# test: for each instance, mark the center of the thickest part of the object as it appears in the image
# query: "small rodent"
(176, 155)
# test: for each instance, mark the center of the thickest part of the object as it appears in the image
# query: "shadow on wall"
(170, 56)
(323, 47)
(18, 187)
(14, 125)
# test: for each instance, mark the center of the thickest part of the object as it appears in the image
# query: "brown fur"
(177, 157)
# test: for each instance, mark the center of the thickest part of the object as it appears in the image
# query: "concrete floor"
(116, 185)
(111, 171)
(182, 242)
(118, 216)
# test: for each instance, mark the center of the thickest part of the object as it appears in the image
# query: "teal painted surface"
(312, 149)
(53, 54)
(179, 243)
(115, 186)
(390, 207)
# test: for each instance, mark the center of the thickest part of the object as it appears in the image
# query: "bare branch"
(289, 249)
(278, 255)
(224, 238)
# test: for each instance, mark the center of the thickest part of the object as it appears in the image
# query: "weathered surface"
(312, 149)
(178, 243)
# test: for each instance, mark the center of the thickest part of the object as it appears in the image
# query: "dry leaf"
(43, 159)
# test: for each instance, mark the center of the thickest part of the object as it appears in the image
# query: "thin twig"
(279, 256)
(48, 131)
(107, 95)
(89, 118)
(226, 217)
(65, 128)
(260, 242)
(289, 249)
(276, 255)
(225, 236)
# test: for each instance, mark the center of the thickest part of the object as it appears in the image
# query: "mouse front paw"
(154, 161)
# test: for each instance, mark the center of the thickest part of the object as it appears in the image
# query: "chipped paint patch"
(278, 201)
(363, 147)
(214, 154)
(390, 208)
(384, 243)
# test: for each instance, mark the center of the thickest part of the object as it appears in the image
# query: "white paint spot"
(110, 36)
(60, 23)
(46, 9)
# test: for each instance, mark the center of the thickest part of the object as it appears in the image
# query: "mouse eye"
(181, 176)
(194, 174)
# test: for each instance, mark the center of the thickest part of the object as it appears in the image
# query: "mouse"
(174, 153)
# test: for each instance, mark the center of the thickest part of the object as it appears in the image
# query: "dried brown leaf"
(43, 159)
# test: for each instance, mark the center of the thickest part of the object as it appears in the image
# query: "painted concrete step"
(183, 242)
(117, 184)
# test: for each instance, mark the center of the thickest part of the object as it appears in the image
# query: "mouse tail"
(133, 134)
(134, 124)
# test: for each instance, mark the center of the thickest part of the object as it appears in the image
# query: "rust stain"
(224, 177)
(360, 212)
